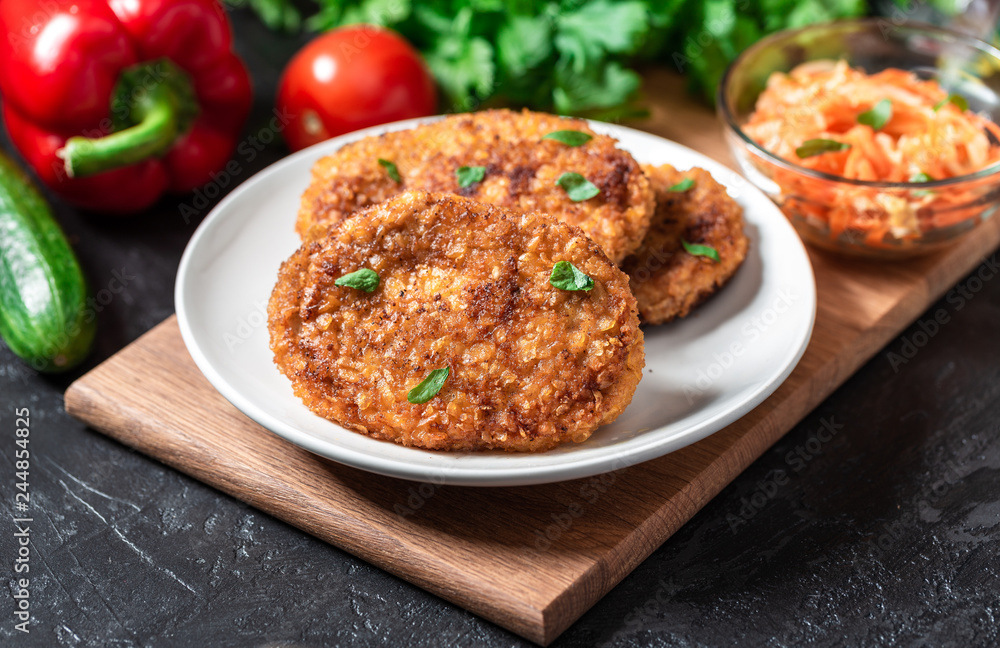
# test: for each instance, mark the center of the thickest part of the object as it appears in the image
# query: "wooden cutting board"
(531, 559)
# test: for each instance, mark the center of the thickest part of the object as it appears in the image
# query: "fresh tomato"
(352, 78)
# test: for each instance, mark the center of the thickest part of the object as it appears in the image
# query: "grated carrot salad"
(929, 136)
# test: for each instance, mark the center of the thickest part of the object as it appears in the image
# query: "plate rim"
(466, 476)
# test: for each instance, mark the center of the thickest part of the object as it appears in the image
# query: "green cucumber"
(44, 317)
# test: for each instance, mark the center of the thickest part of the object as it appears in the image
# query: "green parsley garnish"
(390, 168)
(683, 185)
(960, 102)
(921, 177)
(577, 187)
(566, 276)
(701, 250)
(569, 137)
(428, 387)
(813, 147)
(470, 175)
(878, 116)
(363, 279)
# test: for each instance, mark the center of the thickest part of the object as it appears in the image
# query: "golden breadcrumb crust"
(463, 285)
(666, 280)
(521, 173)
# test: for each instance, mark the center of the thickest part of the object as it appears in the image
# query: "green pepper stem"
(159, 111)
(152, 137)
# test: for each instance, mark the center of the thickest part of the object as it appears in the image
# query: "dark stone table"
(887, 532)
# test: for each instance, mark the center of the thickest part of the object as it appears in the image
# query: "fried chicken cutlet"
(520, 170)
(667, 280)
(462, 285)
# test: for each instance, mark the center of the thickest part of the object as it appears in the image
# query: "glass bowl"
(919, 216)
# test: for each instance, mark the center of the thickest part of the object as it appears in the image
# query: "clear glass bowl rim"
(909, 25)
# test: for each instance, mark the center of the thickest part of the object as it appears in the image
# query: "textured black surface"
(875, 521)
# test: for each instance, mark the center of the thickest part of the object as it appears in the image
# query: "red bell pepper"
(114, 102)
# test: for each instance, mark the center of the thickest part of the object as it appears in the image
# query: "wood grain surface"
(531, 559)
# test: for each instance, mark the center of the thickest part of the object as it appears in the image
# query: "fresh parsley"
(363, 279)
(813, 147)
(568, 56)
(390, 169)
(956, 99)
(919, 178)
(569, 137)
(566, 276)
(277, 15)
(878, 116)
(577, 187)
(683, 185)
(469, 175)
(428, 387)
(701, 250)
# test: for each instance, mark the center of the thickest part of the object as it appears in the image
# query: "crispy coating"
(521, 173)
(666, 280)
(463, 285)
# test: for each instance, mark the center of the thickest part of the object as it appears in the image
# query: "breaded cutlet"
(666, 279)
(521, 170)
(462, 285)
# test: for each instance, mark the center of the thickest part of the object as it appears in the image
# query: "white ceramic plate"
(701, 374)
